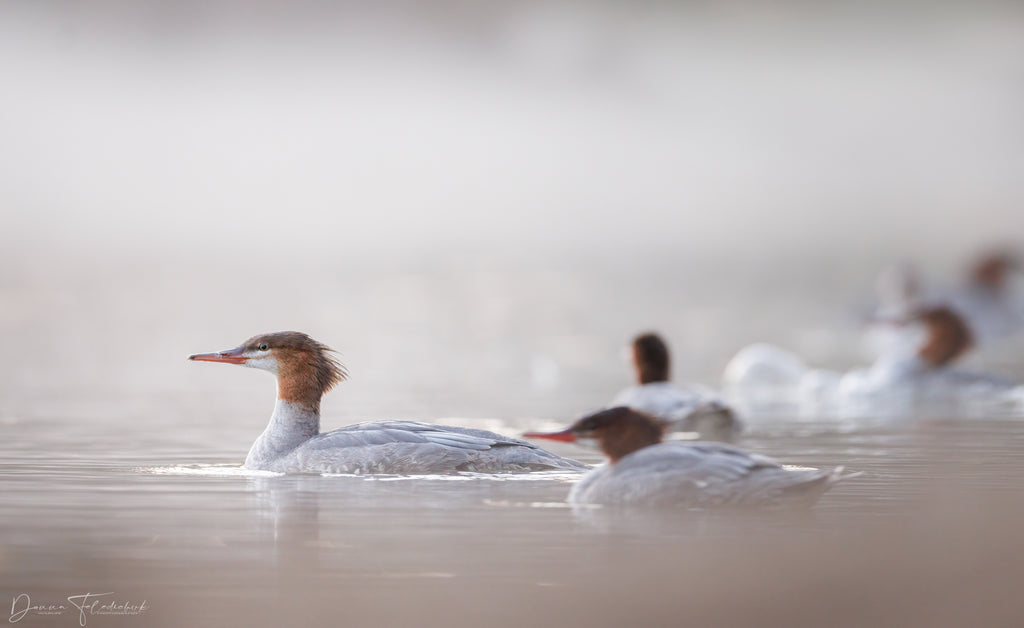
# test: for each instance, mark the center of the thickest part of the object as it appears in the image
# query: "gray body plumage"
(400, 447)
(700, 474)
(292, 443)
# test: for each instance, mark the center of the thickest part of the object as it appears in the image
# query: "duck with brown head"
(916, 376)
(941, 337)
(643, 470)
(292, 442)
(991, 271)
(947, 336)
(690, 408)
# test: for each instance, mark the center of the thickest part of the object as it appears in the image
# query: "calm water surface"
(478, 205)
(120, 474)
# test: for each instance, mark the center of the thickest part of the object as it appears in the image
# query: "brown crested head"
(990, 270)
(305, 368)
(651, 358)
(948, 336)
(619, 431)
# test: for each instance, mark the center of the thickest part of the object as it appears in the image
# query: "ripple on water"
(226, 470)
(211, 470)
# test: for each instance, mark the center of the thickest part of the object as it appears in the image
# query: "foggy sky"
(266, 129)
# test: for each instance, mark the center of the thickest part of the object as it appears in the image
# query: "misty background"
(479, 204)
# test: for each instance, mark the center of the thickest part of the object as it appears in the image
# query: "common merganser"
(984, 300)
(762, 374)
(643, 470)
(292, 442)
(692, 408)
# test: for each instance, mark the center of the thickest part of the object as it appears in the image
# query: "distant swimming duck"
(909, 375)
(643, 470)
(691, 408)
(293, 443)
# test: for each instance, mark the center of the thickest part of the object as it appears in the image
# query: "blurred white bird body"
(700, 474)
(693, 408)
(910, 375)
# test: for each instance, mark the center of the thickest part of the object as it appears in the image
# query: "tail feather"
(810, 491)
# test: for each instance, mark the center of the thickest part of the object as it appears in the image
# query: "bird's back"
(700, 474)
(411, 447)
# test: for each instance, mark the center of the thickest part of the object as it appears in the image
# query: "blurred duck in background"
(899, 294)
(691, 408)
(987, 301)
(913, 372)
(643, 470)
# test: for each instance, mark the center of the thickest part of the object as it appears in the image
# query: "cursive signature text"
(88, 604)
(22, 605)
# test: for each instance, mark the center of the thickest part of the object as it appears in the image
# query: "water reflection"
(221, 534)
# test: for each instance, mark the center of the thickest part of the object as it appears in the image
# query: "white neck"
(291, 425)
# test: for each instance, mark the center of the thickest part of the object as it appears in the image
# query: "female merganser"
(765, 375)
(643, 470)
(985, 301)
(694, 408)
(292, 442)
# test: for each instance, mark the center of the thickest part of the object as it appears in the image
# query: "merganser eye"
(263, 347)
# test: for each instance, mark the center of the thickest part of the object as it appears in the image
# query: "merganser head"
(651, 358)
(990, 270)
(305, 368)
(948, 336)
(618, 431)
